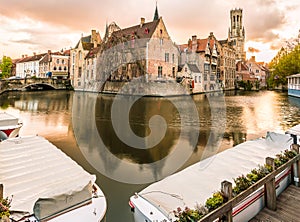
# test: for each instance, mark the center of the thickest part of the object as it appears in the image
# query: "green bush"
(4, 207)
(187, 215)
(215, 201)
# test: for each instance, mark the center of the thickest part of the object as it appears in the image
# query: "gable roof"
(85, 39)
(93, 52)
(139, 31)
(32, 58)
(194, 68)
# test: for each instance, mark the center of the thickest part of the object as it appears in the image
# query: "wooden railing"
(225, 211)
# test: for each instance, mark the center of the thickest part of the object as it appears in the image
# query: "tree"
(288, 64)
(5, 67)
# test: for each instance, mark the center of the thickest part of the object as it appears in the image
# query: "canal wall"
(151, 88)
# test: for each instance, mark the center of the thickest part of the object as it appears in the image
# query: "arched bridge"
(34, 84)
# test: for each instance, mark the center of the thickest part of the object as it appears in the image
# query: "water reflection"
(249, 115)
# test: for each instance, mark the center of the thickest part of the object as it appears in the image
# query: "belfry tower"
(236, 33)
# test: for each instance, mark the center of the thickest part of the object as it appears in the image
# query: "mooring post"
(296, 167)
(226, 189)
(1, 191)
(270, 188)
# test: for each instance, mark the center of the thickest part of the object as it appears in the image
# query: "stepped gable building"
(77, 58)
(236, 33)
(145, 49)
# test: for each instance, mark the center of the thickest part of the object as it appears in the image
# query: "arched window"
(54, 68)
(65, 68)
(60, 68)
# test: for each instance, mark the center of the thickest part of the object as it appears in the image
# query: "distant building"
(244, 74)
(192, 77)
(236, 33)
(259, 70)
(55, 64)
(29, 66)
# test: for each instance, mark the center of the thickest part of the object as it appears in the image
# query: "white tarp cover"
(8, 120)
(42, 179)
(198, 182)
(294, 130)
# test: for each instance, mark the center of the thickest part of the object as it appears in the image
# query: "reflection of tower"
(236, 33)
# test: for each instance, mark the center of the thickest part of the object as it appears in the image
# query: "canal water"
(130, 142)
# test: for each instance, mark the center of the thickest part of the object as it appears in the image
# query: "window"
(166, 57)
(173, 72)
(257, 71)
(159, 71)
(57, 61)
(62, 61)
(161, 41)
(195, 79)
(79, 72)
(199, 79)
(205, 77)
(54, 68)
(173, 58)
(59, 68)
(87, 74)
(65, 68)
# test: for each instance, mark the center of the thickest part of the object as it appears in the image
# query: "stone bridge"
(34, 84)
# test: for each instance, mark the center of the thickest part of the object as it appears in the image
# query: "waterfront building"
(236, 33)
(205, 54)
(191, 77)
(227, 64)
(259, 70)
(55, 64)
(243, 73)
(29, 66)
(77, 58)
(145, 49)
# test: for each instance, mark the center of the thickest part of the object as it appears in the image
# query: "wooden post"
(296, 167)
(226, 189)
(270, 188)
(1, 191)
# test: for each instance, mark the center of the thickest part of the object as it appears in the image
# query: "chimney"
(49, 51)
(142, 22)
(23, 56)
(94, 36)
(211, 34)
(194, 43)
(34, 54)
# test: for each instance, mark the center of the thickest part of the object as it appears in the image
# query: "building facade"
(29, 66)
(77, 58)
(55, 64)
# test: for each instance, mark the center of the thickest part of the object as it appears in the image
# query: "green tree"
(288, 65)
(5, 67)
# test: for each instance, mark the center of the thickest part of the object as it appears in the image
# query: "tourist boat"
(9, 126)
(294, 85)
(46, 185)
(195, 184)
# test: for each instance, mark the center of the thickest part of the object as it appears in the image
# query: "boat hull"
(294, 92)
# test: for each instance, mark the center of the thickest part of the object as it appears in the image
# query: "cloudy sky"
(36, 26)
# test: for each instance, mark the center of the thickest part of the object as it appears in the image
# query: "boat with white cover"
(195, 184)
(46, 184)
(9, 125)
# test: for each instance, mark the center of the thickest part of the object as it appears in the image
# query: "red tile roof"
(93, 52)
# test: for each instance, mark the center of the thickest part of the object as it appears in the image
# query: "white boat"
(294, 85)
(9, 126)
(46, 184)
(195, 184)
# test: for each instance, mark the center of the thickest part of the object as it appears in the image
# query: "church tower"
(236, 33)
